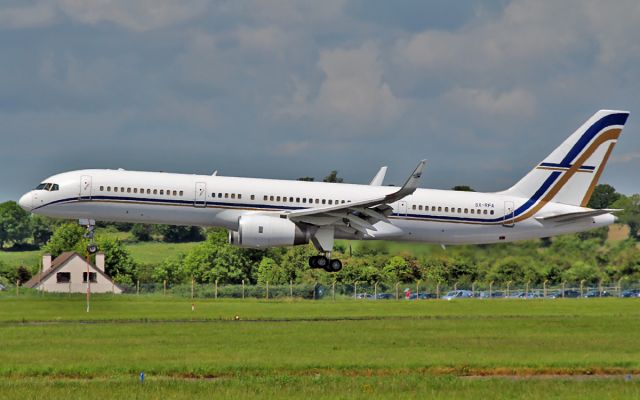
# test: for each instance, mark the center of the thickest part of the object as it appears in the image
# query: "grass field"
(53, 348)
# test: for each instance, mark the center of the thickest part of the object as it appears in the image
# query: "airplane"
(259, 213)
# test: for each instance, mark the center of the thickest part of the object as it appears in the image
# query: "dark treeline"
(586, 256)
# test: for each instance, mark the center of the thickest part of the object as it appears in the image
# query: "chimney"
(100, 261)
(46, 261)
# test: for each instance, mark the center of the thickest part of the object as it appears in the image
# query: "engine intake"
(262, 231)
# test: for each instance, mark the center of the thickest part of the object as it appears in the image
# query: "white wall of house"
(75, 267)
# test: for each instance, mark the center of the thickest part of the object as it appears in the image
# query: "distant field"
(532, 349)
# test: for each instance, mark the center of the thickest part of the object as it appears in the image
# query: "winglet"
(379, 178)
(410, 185)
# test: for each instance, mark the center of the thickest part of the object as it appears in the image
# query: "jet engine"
(261, 231)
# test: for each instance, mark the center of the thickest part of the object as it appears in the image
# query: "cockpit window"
(48, 187)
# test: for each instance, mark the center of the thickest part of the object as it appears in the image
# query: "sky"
(483, 90)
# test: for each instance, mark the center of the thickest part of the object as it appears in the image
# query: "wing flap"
(573, 216)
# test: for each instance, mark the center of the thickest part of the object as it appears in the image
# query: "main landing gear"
(90, 226)
(325, 263)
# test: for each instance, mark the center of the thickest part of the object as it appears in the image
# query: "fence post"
(113, 288)
(315, 286)
(526, 289)
(355, 289)
(563, 285)
(544, 288)
(193, 282)
(138, 287)
(164, 287)
(375, 290)
(455, 286)
(600, 287)
(215, 294)
(438, 290)
(267, 290)
(490, 289)
(17, 287)
(619, 287)
(291, 288)
(581, 288)
(508, 287)
(397, 294)
(333, 290)
(243, 288)
(418, 289)
(473, 289)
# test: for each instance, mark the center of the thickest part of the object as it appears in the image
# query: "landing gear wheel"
(92, 248)
(334, 266)
(313, 261)
(322, 262)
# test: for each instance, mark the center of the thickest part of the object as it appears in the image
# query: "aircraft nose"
(26, 201)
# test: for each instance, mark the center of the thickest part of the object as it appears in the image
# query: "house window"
(93, 277)
(63, 277)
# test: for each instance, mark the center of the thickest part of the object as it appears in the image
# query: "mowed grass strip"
(407, 386)
(587, 336)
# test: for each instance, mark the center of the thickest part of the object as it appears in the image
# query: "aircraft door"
(200, 199)
(85, 187)
(402, 208)
(509, 217)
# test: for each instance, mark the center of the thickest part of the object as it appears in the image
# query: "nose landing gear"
(90, 226)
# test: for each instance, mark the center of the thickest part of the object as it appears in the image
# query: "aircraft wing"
(572, 216)
(361, 215)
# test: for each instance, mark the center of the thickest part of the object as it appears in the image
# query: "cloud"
(516, 102)
(32, 16)
(291, 148)
(353, 89)
(139, 15)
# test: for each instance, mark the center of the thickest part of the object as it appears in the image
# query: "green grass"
(18, 258)
(53, 348)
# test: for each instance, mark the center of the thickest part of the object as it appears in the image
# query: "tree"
(170, 270)
(603, 196)
(306, 178)
(41, 230)
(14, 223)
(68, 237)
(177, 233)
(398, 270)
(141, 232)
(462, 188)
(118, 263)
(333, 177)
(630, 214)
(270, 271)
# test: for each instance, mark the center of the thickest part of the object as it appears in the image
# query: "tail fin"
(570, 173)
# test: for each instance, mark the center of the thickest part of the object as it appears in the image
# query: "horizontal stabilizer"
(572, 216)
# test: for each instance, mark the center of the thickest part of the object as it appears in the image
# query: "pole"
(375, 290)
(397, 293)
(17, 287)
(88, 284)
(418, 290)
(508, 286)
(215, 294)
(544, 288)
(291, 289)
(193, 282)
(355, 289)
(138, 287)
(267, 290)
(600, 288)
(490, 289)
(581, 288)
(563, 284)
(438, 290)
(164, 287)
(473, 289)
(333, 290)
(243, 288)
(526, 289)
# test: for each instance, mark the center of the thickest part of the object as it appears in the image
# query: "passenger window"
(102, 188)
(270, 198)
(239, 196)
(446, 209)
(473, 211)
(304, 199)
(115, 188)
(324, 201)
(466, 211)
(128, 190)
(253, 197)
(155, 191)
(420, 208)
(213, 195)
(297, 199)
(439, 209)
(161, 191)
(278, 198)
(181, 193)
(317, 201)
(220, 196)
(491, 212)
(148, 191)
(122, 189)
(233, 195)
(265, 198)
(343, 201)
(414, 207)
(433, 208)
(108, 188)
(141, 191)
(484, 212)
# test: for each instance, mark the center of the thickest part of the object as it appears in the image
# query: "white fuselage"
(434, 216)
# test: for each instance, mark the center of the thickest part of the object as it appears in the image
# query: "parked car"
(364, 296)
(630, 293)
(458, 294)
(568, 293)
(2, 288)
(597, 293)
(423, 296)
(385, 296)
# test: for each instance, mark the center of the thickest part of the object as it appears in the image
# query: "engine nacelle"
(261, 231)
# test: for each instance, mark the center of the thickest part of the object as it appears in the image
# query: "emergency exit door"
(200, 199)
